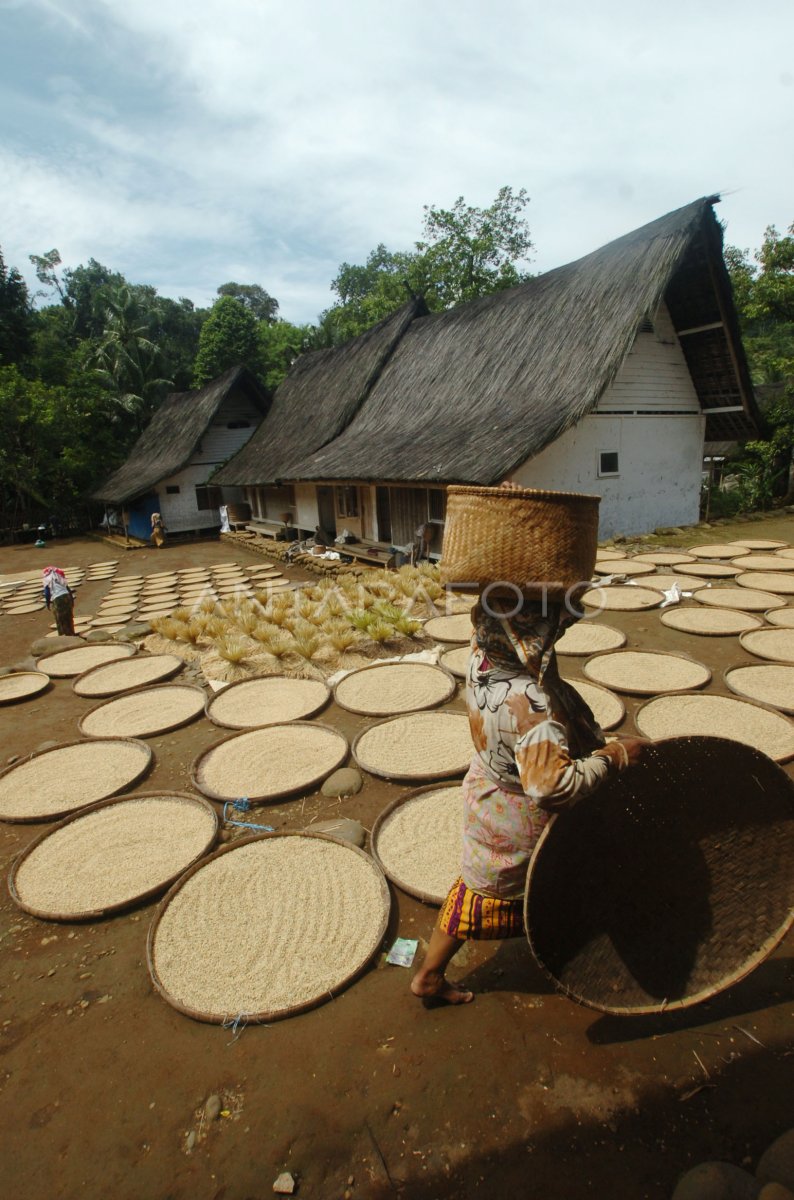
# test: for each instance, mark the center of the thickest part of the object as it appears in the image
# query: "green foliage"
(127, 360)
(279, 344)
(228, 338)
(465, 252)
(252, 297)
(16, 318)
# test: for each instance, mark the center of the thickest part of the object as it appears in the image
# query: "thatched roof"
(470, 394)
(319, 397)
(169, 440)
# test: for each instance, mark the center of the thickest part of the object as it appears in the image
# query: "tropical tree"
(127, 360)
(16, 318)
(253, 297)
(279, 346)
(228, 338)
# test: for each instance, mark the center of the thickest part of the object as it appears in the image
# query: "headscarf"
(54, 579)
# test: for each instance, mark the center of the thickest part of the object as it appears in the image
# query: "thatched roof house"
(189, 436)
(642, 330)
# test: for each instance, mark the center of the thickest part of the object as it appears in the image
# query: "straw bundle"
(647, 673)
(74, 662)
(145, 712)
(265, 764)
(114, 854)
(71, 776)
(710, 622)
(127, 674)
(768, 684)
(699, 715)
(417, 841)
(268, 927)
(383, 690)
(277, 698)
(776, 644)
(421, 746)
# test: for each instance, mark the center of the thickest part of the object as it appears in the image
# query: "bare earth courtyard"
(523, 1093)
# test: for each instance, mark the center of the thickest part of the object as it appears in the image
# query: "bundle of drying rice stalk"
(181, 614)
(360, 619)
(280, 645)
(406, 626)
(380, 631)
(341, 636)
(307, 645)
(232, 649)
(194, 630)
(247, 620)
(167, 628)
(387, 612)
(207, 605)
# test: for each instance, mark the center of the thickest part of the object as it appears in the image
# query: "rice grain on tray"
(420, 843)
(607, 709)
(450, 629)
(776, 644)
(745, 599)
(270, 762)
(68, 777)
(145, 713)
(393, 688)
(21, 685)
(646, 673)
(713, 622)
(126, 674)
(109, 857)
(625, 599)
(74, 662)
(717, 716)
(588, 638)
(768, 683)
(269, 926)
(422, 745)
(265, 701)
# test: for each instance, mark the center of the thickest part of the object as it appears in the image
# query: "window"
(208, 497)
(172, 489)
(347, 501)
(608, 462)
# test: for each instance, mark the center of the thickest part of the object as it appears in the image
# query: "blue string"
(236, 1024)
(244, 805)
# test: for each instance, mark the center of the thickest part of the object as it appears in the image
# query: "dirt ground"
(523, 1093)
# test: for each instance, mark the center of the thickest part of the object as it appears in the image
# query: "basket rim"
(542, 494)
(382, 818)
(268, 798)
(130, 902)
(292, 1010)
(749, 965)
(82, 741)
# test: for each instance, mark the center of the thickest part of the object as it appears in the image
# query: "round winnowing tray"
(622, 599)
(783, 617)
(418, 841)
(709, 570)
(117, 619)
(456, 660)
(773, 581)
(759, 544)
(664, 558)
(717, 550)
(710, 622)
(746, 599)
(391, 688)
(664, 889)
(270, 926)
(128, 673)
(22, 685)
(775, 644)
(699, 714)
(585, 637)
(647, 672)
(420, 746)
(270, 763)
(608, 709)
(687, 583)
(623, 566)
(157, 576)
(116, 604)
(60, 780)
(786, 553)
(607, 554)
(764, 562)
(158, 595)
(273, 699)
(770, 683)
(112, 855)
(20, 609)
(449, 629)
(151, 614)
(74, 662)
(145, 712)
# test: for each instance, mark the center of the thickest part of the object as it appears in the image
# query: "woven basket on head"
(542, 542)
(671, 884)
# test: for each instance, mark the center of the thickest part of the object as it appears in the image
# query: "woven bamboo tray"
(774, 644)
(22, 685)
(782, 617)
(709, 570)
(779, 582)
(646, 672)
(660, 892)
(586, 637)
(607, 708)
(430, 819)
(703, 714)
(273, 699)
(409, 748)
(126, 674)
(74, 662)
(623, 566)
(456, 661)
(768, 683)
(725, 550)
(664, 558)
(622, 599)
(246, 752)
(710, 622)
(115, 856)
(745, 599)
(605, 554)
(687, 583)
(328, 912)
(785, 552)
(392, 684)
(145, 711)
(759, 544)
(55, 782)
(450, 629)
(764, 562)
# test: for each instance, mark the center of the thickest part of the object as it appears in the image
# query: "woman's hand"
(635, 749)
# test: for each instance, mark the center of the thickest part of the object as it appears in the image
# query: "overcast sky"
(186, 143)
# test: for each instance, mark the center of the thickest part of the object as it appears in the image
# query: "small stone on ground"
(344, 782)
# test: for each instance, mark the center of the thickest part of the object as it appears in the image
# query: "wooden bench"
(266, 527)
(379, 553)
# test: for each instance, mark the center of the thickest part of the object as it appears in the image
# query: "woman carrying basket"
(538, 750)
